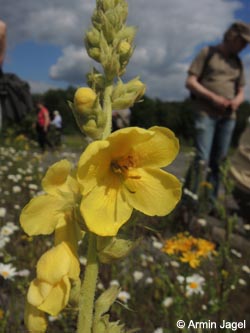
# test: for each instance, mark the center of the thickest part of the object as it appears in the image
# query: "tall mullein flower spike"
(109, 41)
(117, 173)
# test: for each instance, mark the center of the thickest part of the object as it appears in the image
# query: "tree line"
(178, 116)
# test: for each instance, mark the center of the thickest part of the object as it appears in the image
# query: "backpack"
(210, 53)
(15, 97)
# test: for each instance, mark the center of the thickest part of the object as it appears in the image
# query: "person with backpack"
(42, 127)
(216, 81)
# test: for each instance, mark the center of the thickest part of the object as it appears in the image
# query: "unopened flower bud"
(137, 86)
(125, 95)
(84, 100)
(93, 37)
(96, 80)
(94, 53)
(124, 48)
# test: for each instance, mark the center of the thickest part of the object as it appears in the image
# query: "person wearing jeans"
(216, 80)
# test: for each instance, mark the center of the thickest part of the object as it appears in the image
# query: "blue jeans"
(212, 141)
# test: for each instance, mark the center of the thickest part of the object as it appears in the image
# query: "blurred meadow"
(192, 268)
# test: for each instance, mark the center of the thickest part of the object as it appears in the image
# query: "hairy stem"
(87, 293)
(107, 108)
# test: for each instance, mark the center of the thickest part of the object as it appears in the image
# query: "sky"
(46, 49)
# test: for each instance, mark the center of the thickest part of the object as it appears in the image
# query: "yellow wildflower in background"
(123, 172)
(48, 212)
(191, 258)
(1, 313)
(188, 249)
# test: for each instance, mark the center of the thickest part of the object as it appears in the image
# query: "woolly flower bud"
(94, 53)
(93, 37)
(84, 100)
(125, 95)
(138, 86)
(124, 48)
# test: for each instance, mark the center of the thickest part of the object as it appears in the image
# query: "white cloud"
(40, 87)
(72, 66)
(169, 32)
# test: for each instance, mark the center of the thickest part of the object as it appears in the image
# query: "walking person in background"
(42, 126)
(57, 124)
(216, 80)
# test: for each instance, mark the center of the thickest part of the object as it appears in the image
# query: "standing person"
(57, 123)
(42, 126)
(2, 43)
(120, 118)
(216, 80)
(240, 172)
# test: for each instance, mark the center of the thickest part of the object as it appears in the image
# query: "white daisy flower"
(16, 189)
(158, 330)
(23, 273)
(123, 296)
(246, 269)
(236, 253)
(242, 282)
(7, 271)
(202, 222)
(149, 280)
(168, 301)
(137, 276)
(195, 284)
(2, 211)
(114, 283)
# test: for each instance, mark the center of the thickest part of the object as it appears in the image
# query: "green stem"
(107, 108)
(87, 293)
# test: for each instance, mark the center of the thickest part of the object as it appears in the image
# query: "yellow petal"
(74, 268)
(68, 230)
(58, 298)
(104, 208)
(38, 291)
(160, 150)
(153, 192)
(57, 178)
(124, 140)
(41, 214)
(34, 319)
(54, 264)
(93, 164)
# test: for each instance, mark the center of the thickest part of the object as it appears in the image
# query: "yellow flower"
(123, 172)
(84, 99)
(204, 247)
(191, 258)
(206, 185)
(49, 292)
(34, 319)
(50, 211)
(188, 248)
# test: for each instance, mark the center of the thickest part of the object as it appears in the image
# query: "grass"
(154, 296)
